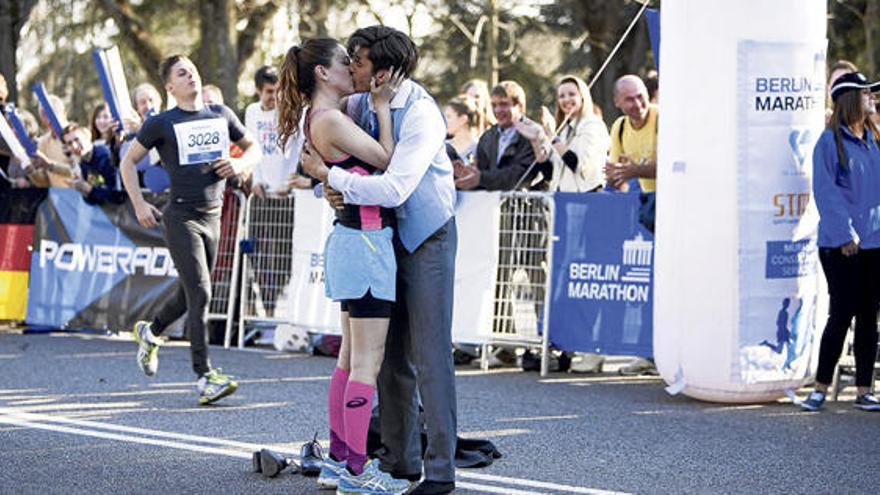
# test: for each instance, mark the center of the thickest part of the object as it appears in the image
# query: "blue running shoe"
(814, 401)
(867, 402)
(373, 481)
(331, 471)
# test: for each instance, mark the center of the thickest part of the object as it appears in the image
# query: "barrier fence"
(582, 264)
(514, 247)
(266, 260)
(225, 274)
(266, 240)
(525, 250)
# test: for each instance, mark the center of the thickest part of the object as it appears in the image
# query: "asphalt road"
(76, 416)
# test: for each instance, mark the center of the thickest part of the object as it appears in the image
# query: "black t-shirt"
(195, 180)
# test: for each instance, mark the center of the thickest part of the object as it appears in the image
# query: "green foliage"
(846, 32)
(550, 38)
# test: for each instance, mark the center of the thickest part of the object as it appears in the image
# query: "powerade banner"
(95, 267)
(781, 104)
(602, 292)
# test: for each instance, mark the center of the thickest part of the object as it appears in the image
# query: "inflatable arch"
(736, 269)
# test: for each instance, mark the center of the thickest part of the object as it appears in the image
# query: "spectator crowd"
(491, 141)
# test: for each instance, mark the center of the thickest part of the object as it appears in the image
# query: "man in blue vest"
(419, 184)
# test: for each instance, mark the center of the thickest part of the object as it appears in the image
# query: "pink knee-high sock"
(358, 408)
(336, 416)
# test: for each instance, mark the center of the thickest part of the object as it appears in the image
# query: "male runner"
(193, 141)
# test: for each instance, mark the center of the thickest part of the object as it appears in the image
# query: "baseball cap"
(851, 81)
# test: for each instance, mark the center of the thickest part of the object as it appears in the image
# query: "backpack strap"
(622, 120)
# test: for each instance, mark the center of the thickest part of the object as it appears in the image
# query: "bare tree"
(13, 15)
(313, 18)
(222, 49)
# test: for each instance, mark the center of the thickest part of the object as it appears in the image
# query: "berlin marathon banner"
(602, 288)
(95, 267)
(780, 98)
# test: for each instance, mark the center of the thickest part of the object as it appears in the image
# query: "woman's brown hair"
(296, 82)
(465, 105)
(848, 110)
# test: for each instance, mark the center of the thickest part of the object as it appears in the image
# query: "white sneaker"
(373, 481)
(214, 386)
(587, 362)
(148, 348)
(331, 471)
(639, 366)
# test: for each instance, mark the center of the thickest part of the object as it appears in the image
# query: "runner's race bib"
(201, 141)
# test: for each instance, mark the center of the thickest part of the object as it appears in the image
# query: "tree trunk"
(216, 55)
(313, 18)
(13, 15)
(492, 44)
(871, 21)
(135, 34)
(606, 23)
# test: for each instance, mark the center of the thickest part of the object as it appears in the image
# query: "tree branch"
(368, 5)
(135, 35)
(859, 14)
(23, 14)
(258, 17)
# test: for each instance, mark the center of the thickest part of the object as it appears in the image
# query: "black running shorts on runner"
(367, 307)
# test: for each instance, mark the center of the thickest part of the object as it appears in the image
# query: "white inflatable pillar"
(736, 268)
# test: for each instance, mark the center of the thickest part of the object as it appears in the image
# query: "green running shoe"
(148, 348)
(214, 386)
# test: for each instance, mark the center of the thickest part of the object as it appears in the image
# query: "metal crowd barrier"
(522, 295)
(224, 275)
(522, 288)
(266, 260)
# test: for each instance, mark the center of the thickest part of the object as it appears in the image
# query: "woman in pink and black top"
(359, 265)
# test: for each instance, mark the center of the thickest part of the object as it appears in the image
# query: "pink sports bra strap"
(309, 116)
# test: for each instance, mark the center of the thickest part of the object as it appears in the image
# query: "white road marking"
(17, 418)
(539, 418)
(492, 489)
(32, 417)
(11, 420)
(533, 484)
(493, 433)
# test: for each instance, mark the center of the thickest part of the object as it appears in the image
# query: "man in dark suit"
(505, 158)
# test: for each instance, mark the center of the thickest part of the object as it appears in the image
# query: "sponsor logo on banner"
(788, 94)
(790, 259)
(801, 142)
(74, 257)
(627, 281)
(789, 207)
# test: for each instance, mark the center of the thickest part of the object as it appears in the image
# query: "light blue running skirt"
(356, 261)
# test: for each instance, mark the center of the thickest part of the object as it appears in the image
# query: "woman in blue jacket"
(846, 185)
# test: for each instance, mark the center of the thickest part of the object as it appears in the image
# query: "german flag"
(15, 262)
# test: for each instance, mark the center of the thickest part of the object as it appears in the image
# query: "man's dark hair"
(70, 127)
(265, 75)
(166, 65)
(388, 48)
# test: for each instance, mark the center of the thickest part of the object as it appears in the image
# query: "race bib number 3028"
(201, 141)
